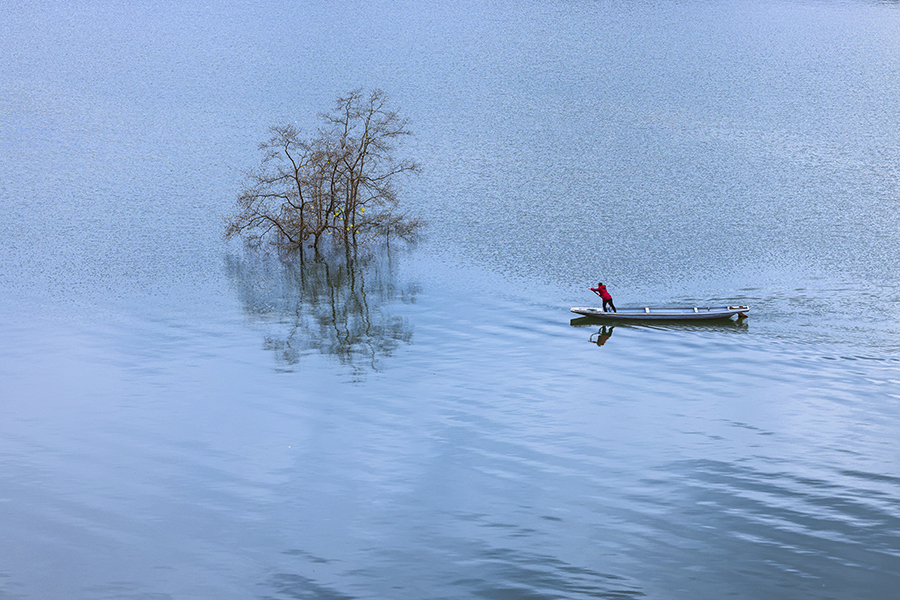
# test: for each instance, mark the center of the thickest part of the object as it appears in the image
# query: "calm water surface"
(184, 419)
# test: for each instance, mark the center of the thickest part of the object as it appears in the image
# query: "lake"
(181, 417)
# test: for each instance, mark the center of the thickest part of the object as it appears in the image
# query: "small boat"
(665, 314)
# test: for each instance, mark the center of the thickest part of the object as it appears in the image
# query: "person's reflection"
(602, 335)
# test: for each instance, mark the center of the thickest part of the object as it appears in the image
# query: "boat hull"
(664, 314)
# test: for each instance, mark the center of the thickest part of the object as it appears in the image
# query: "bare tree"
(338, 185)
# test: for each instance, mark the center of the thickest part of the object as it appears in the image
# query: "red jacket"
(602, 291)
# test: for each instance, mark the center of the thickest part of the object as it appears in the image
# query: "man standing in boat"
(601, 291)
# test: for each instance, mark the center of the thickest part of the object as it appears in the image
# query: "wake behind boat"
(665, 314)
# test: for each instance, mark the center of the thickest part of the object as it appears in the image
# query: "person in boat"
(601, 291)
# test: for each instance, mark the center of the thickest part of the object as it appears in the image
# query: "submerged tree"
(338, 185)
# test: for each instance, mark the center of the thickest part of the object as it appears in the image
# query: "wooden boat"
(693, 313)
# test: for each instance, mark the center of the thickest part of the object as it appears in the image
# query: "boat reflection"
(337, 305)
(602, 335)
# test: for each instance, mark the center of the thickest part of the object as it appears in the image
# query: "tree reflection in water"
(337, 305)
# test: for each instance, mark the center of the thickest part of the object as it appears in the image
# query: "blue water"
(183, 418)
